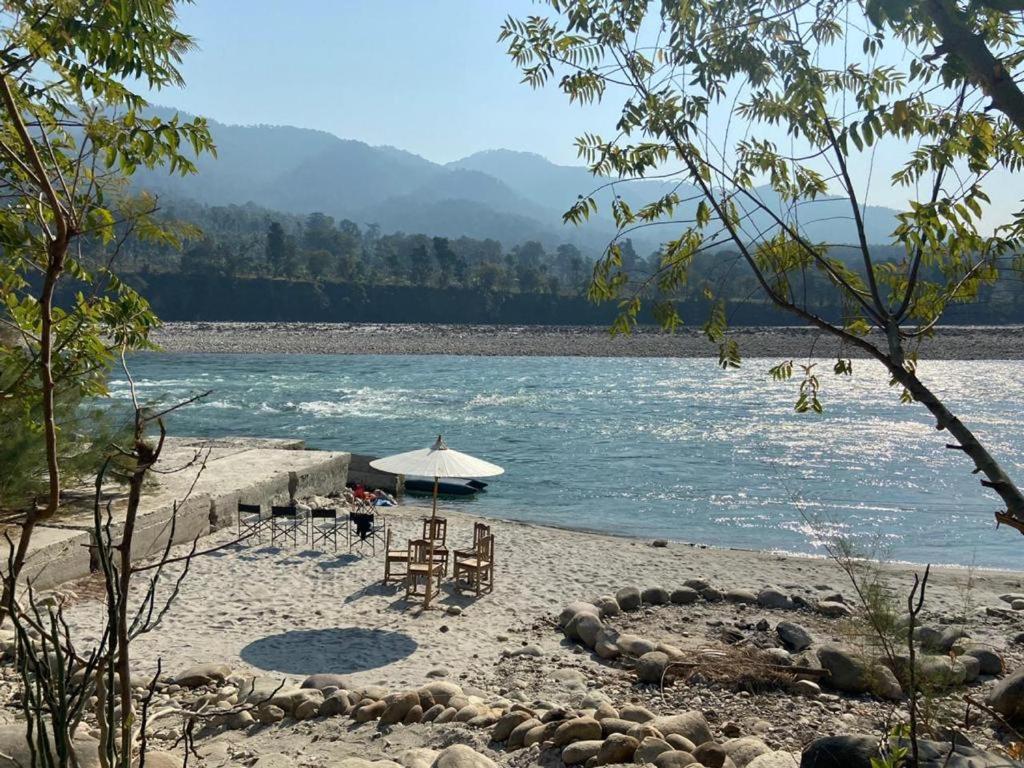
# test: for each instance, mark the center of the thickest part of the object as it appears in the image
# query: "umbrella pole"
(430, 557)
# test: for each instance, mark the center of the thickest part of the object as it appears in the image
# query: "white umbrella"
(437, 461)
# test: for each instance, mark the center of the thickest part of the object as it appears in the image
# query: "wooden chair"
(394, 558)
(423, 577)
(476, 573)
(323, 526)
(287, 524)
(251, 522)
(436, 529)
(480, 530)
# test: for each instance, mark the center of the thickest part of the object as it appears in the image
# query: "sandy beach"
(949, 343)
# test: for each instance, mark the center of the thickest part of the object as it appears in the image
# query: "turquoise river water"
(656, 448)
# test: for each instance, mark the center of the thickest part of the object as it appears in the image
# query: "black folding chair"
(364, 529)
(323, 526)
(251, 522)
(287, 524)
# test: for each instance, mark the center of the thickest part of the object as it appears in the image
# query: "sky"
(424, 75)
(427, 76)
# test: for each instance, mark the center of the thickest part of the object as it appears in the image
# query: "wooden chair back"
(480, 530)
(485, 549)
(435, 528)
(419, 551)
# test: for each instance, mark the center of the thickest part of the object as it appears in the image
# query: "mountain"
(501, 194)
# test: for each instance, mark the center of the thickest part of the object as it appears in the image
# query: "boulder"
(461, 756)
(369, 712)
(675, 759)
(1007, 697)
(581, 751)
(940, 672)
(336, 704)
(681, 743)
(950, 636)
(928, 638)
(518, 735)
(684, 596)
(306, 709)
(577, 729)
(806, 688)
(655, 596)
(710, 754)
(398, 706)
(431, 714)
(649, 748)
(322, 681)
(604, 709)
(773, 760)
(635, 645)
(989, 662)
(847, 671)
(635, 713)
(771, 597)
(740, 596)
(629, 598)
(607, 606)
(442, 691)
(15, 753)
(641, 731)
(617, 748)
(415, 714)
(691, 725)
(203, 674)
(466, 713)
(793, 636)
(156, 758)
(269, 714)
(833, 609)
(585, 628)
(744, 749)
(508, 723)
(651, 666)
(884, 684)
(610, 725)
(417, 757)
(572, 609)
(858, 751)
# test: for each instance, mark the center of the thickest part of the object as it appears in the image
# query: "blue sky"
(427, 76)
(423, 75)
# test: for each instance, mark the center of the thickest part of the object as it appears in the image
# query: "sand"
(950, 342)
(294, 611)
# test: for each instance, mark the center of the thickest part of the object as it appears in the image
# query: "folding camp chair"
(251, 522)
(287, 524)
(323, 526)
(365, 529)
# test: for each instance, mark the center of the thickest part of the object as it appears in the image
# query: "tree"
(70, 131)
(758, 113)
(276, 249)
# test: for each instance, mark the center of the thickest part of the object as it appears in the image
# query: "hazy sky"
(426, 76)
(423, 75)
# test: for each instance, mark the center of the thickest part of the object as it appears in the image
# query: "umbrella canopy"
(436, 461)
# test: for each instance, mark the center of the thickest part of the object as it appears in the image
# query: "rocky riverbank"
(951, 343)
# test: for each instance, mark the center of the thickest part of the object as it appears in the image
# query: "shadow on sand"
(335, 651)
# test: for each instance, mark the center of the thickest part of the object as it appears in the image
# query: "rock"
(684, 596)
(972, 667)
(156, 758)
(940, 672)
(238, 721)
(806, 688)
(577, 729)
(847, 671)
(368, 712)
(617, 748)
(581, 752)
(681, 743)
(466, 713)
(950, 636)
(306, 709)
(584, 627)
(649, 748)
(740, 596)
(929, 638)
(610, 725)
(572, 609)
(858, 751)
(744, 749)
(771, 597)
(779, 656)
(507, 723)
(336, 704)
(540, 734)
(607, 606)
(461, 756)
(651, 666)
(833, 609)
(515, 739)
(442, 690)
(203, 674)
(989, 662)
(676, 759)
(269, 714)
(417, 757)
(270, 760)
(635, 713)
(885, 685)
(604, 709)
(398, 706)
(322, 681)
(415, 714)
(794, 636)
(773, 760)
(431, 714)
(15, 753)
(634, 645)
(710, 754)
(1012, 597)
(641, 731)
(1007, 697)
(654, 596)
(691, 724)
(629, 598)
(659, 543)
(1017, 605)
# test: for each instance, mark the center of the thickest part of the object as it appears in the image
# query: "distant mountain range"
(509, 196)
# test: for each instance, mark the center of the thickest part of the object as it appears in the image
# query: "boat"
(449, 486)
